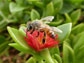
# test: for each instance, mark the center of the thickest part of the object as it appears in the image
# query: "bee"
(41, 26)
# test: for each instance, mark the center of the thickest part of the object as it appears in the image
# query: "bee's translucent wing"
(55, 29)
(47, 19)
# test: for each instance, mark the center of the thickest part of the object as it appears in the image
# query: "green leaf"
(3, 24)
(67, 7)
(46, 1)
(80, 55)
(80, 42)
(20, 48)
(3, 50)
(33, 0)
(79, 48)
(66, 29)
(31, 60)
(34, 15)
(39, 4)
(55, 61)
(76, 1)
(22, 30)
(4, 47)
(75, 15)
(68, 18)
(17, 37)
(15, 8)
(77, 37)
(2, 39)
(49, 10)
(58, 58)
(68, 53)
(55, 23)
(20, 2)
(57, 5)
(54, 50)
(78, 28)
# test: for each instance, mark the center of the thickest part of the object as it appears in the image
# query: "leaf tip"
(10, 44)
(8, 27)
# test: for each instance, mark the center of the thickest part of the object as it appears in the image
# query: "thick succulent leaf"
(28, 51)
(79, 43)
(77, 37)
(4, 50)
(49, 10)
(68, 18)
(17, 37)
(3, 47)
(75, 15)
(3, 44)
(20, 48)
(55, 61)
(79, 48)
(55, 23)
(2, 39)
(58, 58)
(76, 1)
(57, 5)
(15, 8)
(39, 4)
(34, 15)
(78, 28)
(33, 0)
(68, 53)
(3, 24)
(67, 7)
(20, 2)
(66, 29)
(80, 55)
(46, 1)
(31, 60)
(22, 30)
(54, 50)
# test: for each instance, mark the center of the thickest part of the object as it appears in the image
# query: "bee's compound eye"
(30, 27)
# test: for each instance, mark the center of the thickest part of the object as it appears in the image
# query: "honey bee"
(41, 26)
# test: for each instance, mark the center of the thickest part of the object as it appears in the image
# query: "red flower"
(37, 42)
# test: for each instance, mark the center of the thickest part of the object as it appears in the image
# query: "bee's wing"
(55, 29)
(47, 19)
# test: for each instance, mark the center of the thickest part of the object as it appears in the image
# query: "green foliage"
(46, 11)
(68, 54)
(66, 29)
(16, 12)
(3, 45)
(15, 8)
(75, 16)
(34, 15)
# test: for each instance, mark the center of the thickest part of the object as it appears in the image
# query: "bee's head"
(29, 26)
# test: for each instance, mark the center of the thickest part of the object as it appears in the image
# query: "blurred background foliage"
(16, 12)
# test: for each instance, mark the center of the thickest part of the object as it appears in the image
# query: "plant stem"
(46, 56)
(33, 60)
